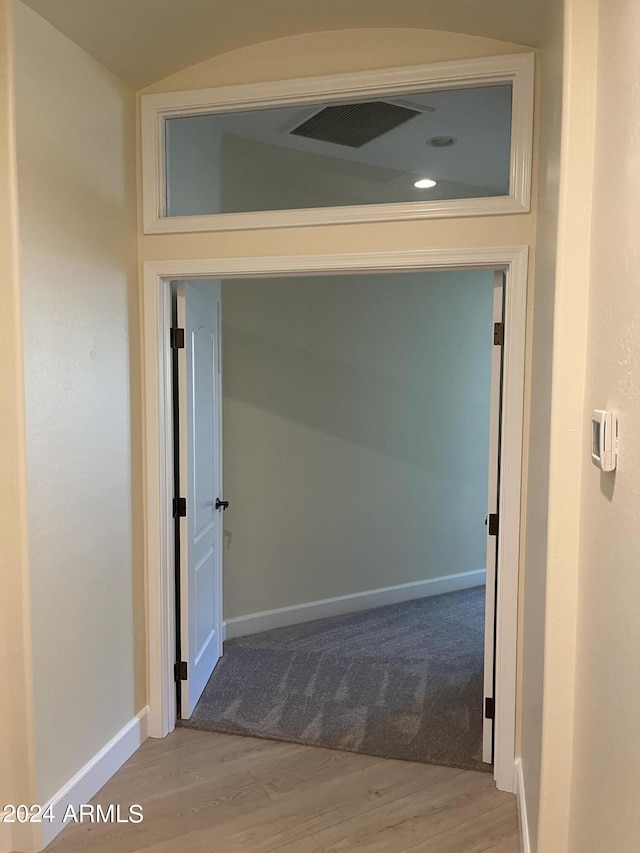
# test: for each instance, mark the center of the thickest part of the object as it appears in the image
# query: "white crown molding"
(516, 69)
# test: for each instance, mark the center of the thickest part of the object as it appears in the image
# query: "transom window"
(411, 145)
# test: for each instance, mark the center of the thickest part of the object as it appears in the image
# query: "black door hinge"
(493, 524)
(489, 708)
(179, 507)
(180, 670)
(176, 338)
(498, 334)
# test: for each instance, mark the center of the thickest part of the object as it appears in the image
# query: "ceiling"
(142, 41)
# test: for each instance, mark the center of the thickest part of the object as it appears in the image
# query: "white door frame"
(156, 317)
(493, 506)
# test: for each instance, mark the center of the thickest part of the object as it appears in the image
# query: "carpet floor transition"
(402, 681)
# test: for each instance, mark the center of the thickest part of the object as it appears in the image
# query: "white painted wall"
(356, 414)
(75, 142)
(606, 769)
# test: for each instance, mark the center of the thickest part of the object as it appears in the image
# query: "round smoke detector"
(441, 141)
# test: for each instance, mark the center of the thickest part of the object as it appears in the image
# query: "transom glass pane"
(414, 147)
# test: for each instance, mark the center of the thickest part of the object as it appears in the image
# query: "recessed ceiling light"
(424, 183)
(441, 141)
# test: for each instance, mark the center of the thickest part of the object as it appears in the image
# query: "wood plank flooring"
(204, 792)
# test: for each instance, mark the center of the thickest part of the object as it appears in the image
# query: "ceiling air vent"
(354, 124)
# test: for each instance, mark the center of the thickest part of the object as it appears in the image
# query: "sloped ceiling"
(142, 41)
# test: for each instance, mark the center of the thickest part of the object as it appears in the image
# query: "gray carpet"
(403, 681)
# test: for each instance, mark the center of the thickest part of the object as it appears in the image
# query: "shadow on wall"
(417, 424)
(396, 364)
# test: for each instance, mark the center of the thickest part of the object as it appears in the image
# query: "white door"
(493, 519)
(200, 481)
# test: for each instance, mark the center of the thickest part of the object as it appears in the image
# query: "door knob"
(221, 504)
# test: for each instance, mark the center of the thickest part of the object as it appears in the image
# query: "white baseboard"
(241, 626)
(31, 838)
(522, 808)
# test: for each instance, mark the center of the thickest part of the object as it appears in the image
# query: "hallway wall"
(76, 182)
(606, 769)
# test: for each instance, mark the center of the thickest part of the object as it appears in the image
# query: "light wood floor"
(211, 793)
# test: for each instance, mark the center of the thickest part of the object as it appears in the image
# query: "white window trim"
(517, 69)
(159, 461)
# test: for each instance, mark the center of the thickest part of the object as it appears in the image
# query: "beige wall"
(538, 415)
(356, 415)
(77, 231)
(571, 307)
(16, 708)
(606, 772)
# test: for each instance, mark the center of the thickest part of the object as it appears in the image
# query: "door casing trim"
(158, 453)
